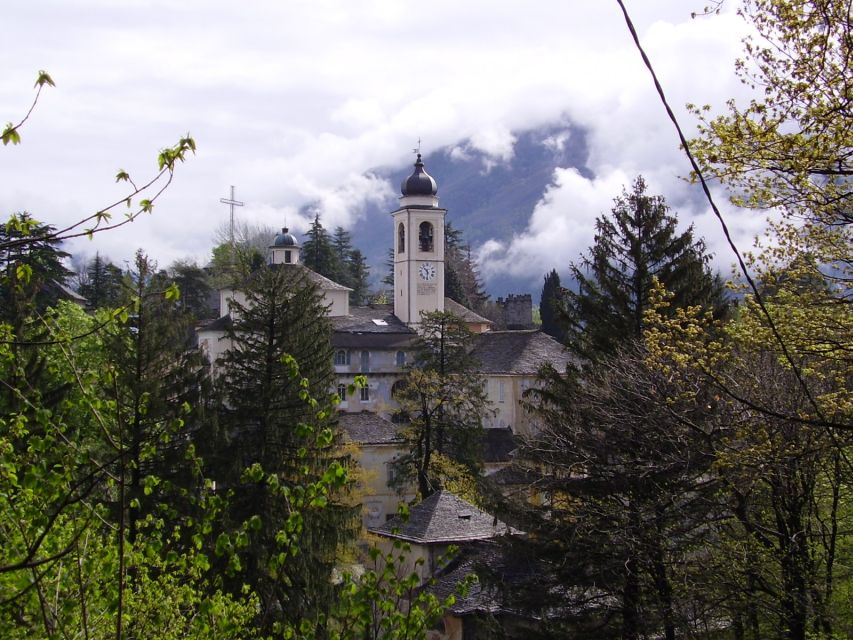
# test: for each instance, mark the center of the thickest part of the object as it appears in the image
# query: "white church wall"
(337, 302)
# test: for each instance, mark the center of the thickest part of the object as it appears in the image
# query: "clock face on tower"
(427, 271)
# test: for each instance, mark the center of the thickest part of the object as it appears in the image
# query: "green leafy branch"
(10, 132)
(102, 220)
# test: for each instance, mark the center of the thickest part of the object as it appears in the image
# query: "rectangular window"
(365, 361)
(342, 392)
(365, 393)
(501, 391)
(342, 357)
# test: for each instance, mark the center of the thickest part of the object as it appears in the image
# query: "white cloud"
(560, 228)
(293, 102)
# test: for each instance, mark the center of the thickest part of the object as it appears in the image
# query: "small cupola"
(285, 248)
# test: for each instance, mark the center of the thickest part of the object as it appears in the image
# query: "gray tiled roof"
(321, 281)
(373, 326)
(451, 306)
(361, 320)
(294, 270)
(368, 428)
(480, 598)
(443, 518)
(518, 352)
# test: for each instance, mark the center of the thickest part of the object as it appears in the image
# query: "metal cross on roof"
(418, 148)
(232, 203)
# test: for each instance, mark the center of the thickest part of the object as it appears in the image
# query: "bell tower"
(418, 248)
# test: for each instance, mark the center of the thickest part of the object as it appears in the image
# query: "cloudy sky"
(297, 101)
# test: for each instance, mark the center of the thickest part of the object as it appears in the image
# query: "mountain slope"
(486, 200)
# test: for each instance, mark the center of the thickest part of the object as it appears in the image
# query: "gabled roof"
(323, 283)
(368, 428)
(451, 306)
(443, 518)
(518, 352)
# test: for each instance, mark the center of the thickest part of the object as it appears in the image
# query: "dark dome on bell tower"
(420, 183)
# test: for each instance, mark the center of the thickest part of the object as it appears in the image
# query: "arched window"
(341, 357)
(425, 236)
(401, 358)
(401, 238)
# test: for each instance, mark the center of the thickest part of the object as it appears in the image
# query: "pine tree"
(318, 253)
(625, 457)
(388, 278)
(30, 267)
(194, 284)
(266, 422)
(549, 305)
(636, 243)
(342, 249)
(103, 287)
(359, 273)
(158, 376)
(30, 270)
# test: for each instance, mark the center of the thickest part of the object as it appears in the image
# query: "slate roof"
(443, 518)
(518, 352)
(451, 306)
(373, 326)
(322, 282)
(368, 428)
(361, 320)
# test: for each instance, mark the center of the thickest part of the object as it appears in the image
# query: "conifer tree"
(342, 248)
(635, 244)
(156, 383)
(103, 286)
(266, 425)
(549, 305)
(318, 253)
(388, 278)
(194, 285)
(30, 267)
(359, 272)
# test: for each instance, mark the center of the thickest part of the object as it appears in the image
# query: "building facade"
(378, 341)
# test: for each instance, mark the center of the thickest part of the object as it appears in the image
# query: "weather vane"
(418, 148)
